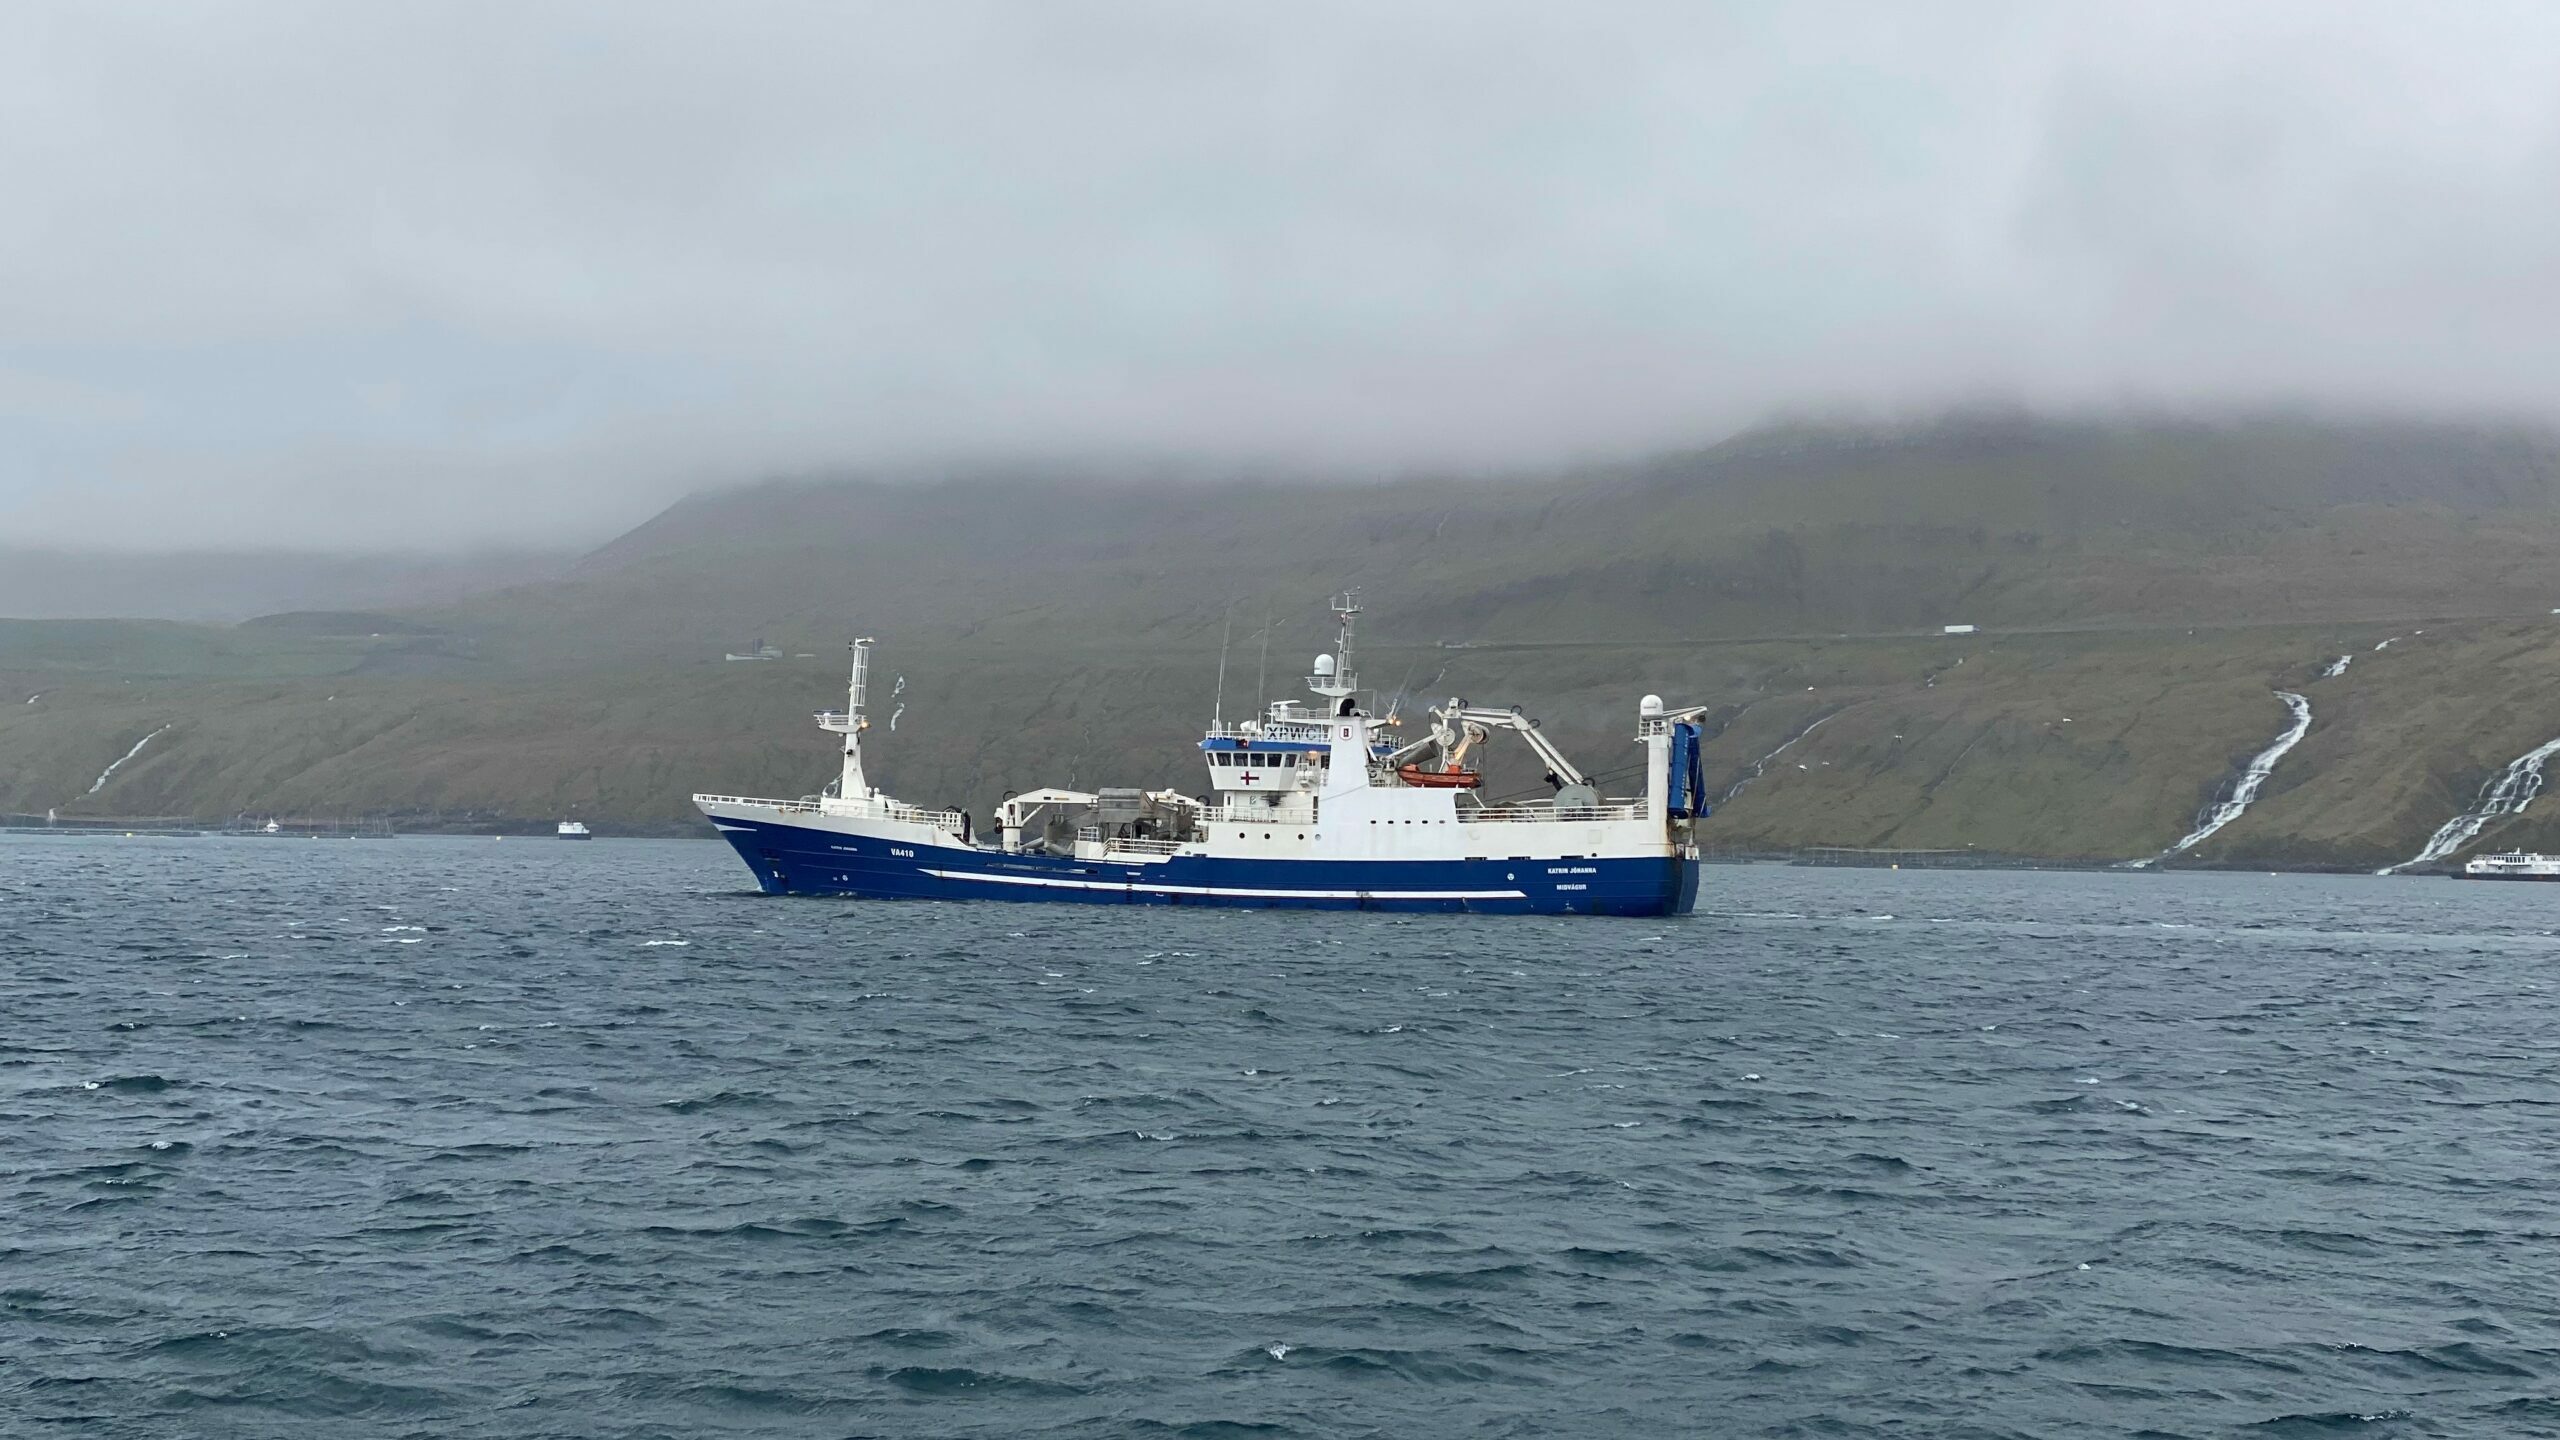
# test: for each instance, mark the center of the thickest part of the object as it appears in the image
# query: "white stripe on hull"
(1234, 892)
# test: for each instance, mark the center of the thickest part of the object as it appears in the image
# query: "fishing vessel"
(2513, 865)
(575, 830)
(1313, 804)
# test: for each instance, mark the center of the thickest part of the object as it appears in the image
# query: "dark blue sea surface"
(475, 1138)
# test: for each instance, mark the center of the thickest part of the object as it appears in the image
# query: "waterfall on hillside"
(109, 773)
(1762, 765)
(2337, 667)
(2252, 779)
(2507, 794)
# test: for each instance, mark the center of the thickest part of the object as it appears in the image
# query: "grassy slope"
(2149, 583)
(2156, 722)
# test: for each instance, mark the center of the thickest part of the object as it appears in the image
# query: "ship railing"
(788, 807)
(1127, 844)
(1544, 814)
(917, 814)
(1314, 731)
(1254, 812)
(875, 809)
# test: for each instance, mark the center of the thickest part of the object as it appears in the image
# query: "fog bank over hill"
(2004, 514)
(236, 585)
(1978, 516)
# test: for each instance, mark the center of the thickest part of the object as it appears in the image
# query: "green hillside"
(2141, 588)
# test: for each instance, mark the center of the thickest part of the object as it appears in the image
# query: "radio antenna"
(1218, 708)
(1263, 674)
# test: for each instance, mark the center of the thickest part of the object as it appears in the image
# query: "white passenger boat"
(2513, 865)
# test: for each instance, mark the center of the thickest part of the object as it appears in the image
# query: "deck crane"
(1453, 742)
(1560, 771)
(1458, 727)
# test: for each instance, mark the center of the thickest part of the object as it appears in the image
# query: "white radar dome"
(1650, 706)
(1324, 664)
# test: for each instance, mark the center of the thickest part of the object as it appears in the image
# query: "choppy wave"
(2085, 1154)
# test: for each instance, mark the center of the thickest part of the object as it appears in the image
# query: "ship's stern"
(1684, 883)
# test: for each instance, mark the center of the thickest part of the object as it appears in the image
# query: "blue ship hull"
(796, 860)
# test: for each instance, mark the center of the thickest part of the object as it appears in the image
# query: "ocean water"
(473, 1138)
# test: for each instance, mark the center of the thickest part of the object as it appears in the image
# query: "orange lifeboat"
(1452, 779)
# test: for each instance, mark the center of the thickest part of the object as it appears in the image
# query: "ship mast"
(850, 723)
(1335, 679)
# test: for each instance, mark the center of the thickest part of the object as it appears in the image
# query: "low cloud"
(436, 275)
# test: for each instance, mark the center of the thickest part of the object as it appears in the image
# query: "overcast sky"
(423, 274)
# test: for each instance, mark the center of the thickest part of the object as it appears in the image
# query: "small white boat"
(2512, 865)
(575, 830)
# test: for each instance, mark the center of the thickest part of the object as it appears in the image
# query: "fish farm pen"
(1965, 859)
